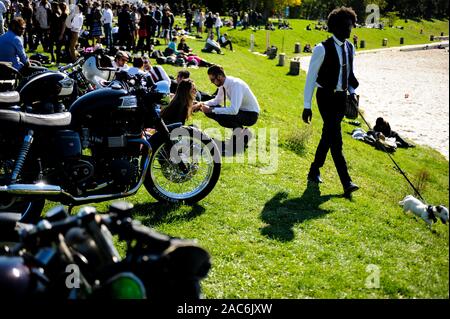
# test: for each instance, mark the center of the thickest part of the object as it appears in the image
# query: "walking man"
(331, 70)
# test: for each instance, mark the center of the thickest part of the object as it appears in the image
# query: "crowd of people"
(63, 27)
(243, 110)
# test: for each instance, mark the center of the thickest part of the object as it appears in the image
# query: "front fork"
(162, 128)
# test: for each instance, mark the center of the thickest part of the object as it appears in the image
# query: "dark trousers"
(243, 118)
(226, 43)
(108, 35)
(331, 108)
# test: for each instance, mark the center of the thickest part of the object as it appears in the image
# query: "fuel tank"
(99, 105)
(45, 85)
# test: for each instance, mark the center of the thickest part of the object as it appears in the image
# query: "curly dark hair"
(338, 16)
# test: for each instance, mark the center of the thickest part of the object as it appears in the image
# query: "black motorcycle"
(73, 257)
(110, 143)
(35, 90)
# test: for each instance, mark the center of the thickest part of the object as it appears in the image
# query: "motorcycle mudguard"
(156, 138)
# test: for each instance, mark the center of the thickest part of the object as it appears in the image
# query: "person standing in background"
(218, 24)
(42, 15)
(76, 25)
(107, 20)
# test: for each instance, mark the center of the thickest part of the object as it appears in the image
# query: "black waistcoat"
(329, 71)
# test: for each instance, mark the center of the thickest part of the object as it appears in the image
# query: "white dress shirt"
(240, 96)
(77, 23)
(317, 59)
(107, 16)
(213, 43)
(164, 76)
(218, 22)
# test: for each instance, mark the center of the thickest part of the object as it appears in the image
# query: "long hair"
(180, 108)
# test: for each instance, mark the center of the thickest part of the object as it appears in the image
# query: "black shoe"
(315, 178)
(350, 189)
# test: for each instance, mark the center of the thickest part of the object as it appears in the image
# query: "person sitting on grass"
(12, 46)
(211, 45)
(121, 60)
(185, 75)
(173, 46)
(138, 65)
(183, 47)
(225, 41)
(307, 48)
(383, 127)
(180, 108)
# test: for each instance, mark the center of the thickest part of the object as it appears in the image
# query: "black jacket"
(329, 71)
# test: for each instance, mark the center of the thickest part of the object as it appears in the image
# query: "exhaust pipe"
(31, 189)
(65, 198)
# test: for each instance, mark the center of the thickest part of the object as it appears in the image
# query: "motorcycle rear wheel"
(166, 181)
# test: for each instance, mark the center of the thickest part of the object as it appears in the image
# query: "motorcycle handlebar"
(118, 222)
(70, 65)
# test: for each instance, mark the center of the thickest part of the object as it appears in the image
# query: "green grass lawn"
(272, 236)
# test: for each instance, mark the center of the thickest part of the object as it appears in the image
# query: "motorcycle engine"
(124, 173)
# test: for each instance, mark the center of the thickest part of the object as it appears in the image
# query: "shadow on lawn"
(281, 214)
(152, 214)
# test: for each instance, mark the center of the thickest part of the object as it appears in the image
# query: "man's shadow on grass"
(152, 214)
(281, 214)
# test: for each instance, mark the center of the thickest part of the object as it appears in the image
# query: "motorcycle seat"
(9, 97)
(35, 120)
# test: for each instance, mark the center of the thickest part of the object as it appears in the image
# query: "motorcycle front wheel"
(184, 170)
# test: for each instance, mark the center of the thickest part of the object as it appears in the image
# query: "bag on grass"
(352, 108)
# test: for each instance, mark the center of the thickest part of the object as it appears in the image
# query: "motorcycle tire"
(30, 209)
(165, 179)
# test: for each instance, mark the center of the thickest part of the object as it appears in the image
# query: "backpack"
(161, 60)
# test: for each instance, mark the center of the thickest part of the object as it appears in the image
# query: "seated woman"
(171, 48)
(183, 47)
(180, 108)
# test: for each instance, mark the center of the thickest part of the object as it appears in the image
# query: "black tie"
(224, 97)
(344, 69)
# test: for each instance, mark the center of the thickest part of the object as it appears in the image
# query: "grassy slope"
(270, 236)
(373, 38)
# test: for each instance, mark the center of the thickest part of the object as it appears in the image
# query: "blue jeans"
(218, 33)
(108, 34)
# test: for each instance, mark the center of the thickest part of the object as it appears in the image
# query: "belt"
(333, 91)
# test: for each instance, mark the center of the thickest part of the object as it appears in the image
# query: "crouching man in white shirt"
(243, 109)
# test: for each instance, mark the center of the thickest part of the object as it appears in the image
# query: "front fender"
(157, 138)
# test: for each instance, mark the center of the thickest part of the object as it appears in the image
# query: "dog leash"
(392, 159)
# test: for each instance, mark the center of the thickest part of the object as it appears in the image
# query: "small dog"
(427, 212)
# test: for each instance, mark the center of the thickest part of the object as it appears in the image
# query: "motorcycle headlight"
(125, 286)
